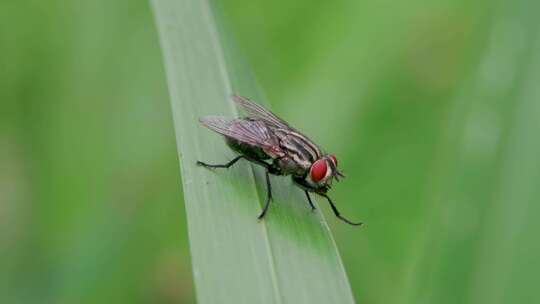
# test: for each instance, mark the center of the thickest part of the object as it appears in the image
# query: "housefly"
(267, 140)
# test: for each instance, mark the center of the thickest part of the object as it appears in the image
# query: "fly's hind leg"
(227, 165)
(269, 169)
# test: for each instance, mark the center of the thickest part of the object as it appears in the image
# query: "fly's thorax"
(289, 166)
(297, 147)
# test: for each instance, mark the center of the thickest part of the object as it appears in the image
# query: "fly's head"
(322, 173)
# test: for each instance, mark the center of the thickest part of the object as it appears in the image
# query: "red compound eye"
(333, 157)
(318, 170)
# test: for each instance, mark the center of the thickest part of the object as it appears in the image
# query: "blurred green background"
(432, 107)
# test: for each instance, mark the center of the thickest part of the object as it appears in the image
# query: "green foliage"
(290, 256)
(430, 106)
(89, 196)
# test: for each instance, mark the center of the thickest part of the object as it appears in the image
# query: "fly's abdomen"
(246, 149)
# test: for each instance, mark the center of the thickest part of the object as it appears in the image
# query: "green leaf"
(290, 256)
(480, 244)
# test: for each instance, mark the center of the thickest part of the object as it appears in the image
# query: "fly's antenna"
(337, 173)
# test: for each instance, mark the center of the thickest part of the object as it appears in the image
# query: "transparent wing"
(256, 111)
(252, 132)
(288, 136)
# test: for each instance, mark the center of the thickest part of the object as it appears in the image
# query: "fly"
(267, 140)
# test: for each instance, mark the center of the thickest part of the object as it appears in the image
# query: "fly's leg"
(227, 165)
(310, 202)
(268, 196)
(336, 212)
(269, 170)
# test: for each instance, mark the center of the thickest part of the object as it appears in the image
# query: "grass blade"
(290, 257)
(478, 247)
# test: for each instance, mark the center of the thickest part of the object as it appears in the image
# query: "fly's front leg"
(309, 201)
(336, 212)
(227, 165)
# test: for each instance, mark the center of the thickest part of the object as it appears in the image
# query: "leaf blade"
(290, 256)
